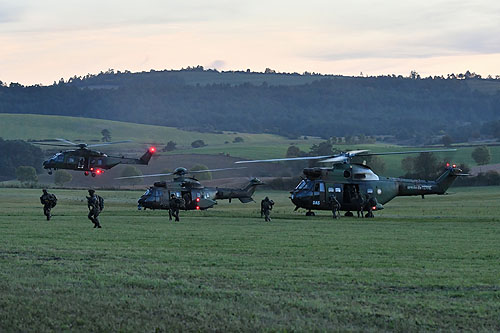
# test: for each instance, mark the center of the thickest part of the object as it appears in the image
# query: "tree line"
(406, 107)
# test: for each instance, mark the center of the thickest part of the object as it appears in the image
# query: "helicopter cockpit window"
(148, 192)
(71, 160)
(319, 187)
(301, 185)
(59, 157)
(99, 162)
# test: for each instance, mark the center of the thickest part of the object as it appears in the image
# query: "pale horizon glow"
(44, 41)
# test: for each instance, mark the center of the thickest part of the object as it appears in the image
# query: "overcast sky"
(43, 41)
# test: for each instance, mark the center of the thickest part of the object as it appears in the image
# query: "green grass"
(29, 126)
(420, 265)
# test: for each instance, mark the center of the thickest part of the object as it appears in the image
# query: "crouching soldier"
(48, 201)
(95, 204)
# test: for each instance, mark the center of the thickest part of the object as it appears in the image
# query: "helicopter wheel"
(86, 173)
(309, 213)
(349, 214)
(93, 174)
(50, 172)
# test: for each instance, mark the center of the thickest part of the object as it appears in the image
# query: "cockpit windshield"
(59, 157)
(148, 192)
(304, 185)
(301, 185)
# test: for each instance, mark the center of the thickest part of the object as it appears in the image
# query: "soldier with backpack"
(95, 204)
(48, 201)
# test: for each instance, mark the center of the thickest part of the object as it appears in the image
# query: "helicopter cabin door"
(351, 194)
(319, 194)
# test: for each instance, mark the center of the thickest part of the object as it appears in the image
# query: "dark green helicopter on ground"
(193, 195)
(89, 161)
(354, 184)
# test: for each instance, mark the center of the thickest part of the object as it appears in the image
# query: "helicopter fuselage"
(90, 161)
(193, 195)
(348, 182)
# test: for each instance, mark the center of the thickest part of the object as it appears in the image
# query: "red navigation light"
(91, 169)
(197, 199)
(454, 165)
(447, 165)
(197, 207)
(374, 208)
(152, 150)
(98, 171)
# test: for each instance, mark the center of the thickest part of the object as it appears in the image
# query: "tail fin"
(448, 177)
(252, 185)
(147, 155)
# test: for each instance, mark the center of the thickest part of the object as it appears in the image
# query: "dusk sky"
(43, 41)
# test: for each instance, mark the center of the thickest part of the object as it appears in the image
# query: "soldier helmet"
(44, 191)
(266, 198)
(91, 191)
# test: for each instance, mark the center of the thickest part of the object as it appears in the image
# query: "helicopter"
(355, 184)
(193, 195)
(89, 161)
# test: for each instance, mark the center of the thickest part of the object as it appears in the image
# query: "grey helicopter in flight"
(89, 161)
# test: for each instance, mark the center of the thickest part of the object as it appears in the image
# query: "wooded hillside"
(289, 104)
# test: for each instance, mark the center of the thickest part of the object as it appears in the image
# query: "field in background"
(254, 146)
(420, 265)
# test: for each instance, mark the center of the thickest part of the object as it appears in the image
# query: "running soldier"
(95, 204)
(266, 207)
(174, 205)
(48, 201)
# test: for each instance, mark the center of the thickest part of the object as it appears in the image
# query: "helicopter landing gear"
(349, 214)
(309, 213)
(93, 174)
(86, 173)
(50, 172)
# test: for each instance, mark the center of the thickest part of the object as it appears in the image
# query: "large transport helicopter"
(89, 161)
(348, 182)
(193, 195)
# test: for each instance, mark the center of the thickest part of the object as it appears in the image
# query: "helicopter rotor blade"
(68, 142)
(286, 159)
(409, 152)
(146, 176)
(213, 170)
(335, 159)
(173, 173)
(50, 144)
(108, 143)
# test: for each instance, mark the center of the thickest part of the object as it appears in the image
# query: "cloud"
(217, 64)
(9, 13)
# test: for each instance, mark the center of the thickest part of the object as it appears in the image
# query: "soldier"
(266, 207)
(370, 203)
(174, 204)
(95, 204)
(359, 201)
(335, 206)
(48, 201)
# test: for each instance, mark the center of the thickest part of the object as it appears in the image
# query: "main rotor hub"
(180, 171)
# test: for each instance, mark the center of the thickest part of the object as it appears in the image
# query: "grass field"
(420, 265)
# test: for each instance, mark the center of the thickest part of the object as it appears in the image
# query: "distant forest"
(460, 106)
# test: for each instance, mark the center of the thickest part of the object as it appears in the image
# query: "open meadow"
(419, 265)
